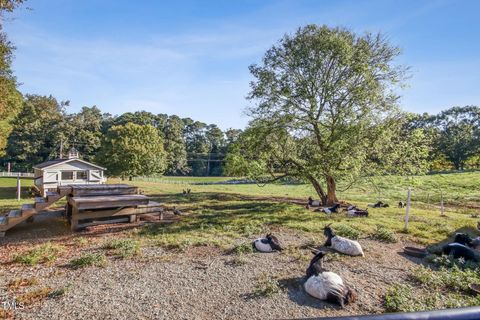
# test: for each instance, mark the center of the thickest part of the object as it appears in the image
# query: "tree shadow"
(10, 193)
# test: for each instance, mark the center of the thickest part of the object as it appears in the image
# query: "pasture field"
(219, 223)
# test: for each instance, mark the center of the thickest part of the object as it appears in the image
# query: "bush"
(385, 235)
(89, 259)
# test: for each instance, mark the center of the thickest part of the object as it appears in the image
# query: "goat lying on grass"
(466, 240)
(326, 285)
(268, 244)
(353, 211)
(379, 204)
(458, 250)
(332, 209)
(341, 244)
(313, 203)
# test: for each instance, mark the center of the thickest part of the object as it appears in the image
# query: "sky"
(191, 58)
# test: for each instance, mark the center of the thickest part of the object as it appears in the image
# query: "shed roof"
(52, 163)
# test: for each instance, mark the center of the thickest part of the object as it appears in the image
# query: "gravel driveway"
(207, 283)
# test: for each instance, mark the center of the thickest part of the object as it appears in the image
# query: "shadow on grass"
(10, 193)
(233, 214)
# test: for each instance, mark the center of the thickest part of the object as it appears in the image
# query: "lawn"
(228, 216)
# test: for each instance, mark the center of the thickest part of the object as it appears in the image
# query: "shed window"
(67, 175)
(81, 175)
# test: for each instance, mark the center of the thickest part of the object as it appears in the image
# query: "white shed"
(70, 171)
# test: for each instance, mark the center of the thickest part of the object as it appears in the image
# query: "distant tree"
(324, 97)
(37, 131)
(83, 131)
(175, 147)
(232, 135)
(132, 150)
(197, 146)
(137, 117)
(458, 134)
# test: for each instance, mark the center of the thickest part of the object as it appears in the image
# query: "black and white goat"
(402, 204)
(333, 209)
(268, 244)
(458, 250)
(326, 285)
(313, 203)
(465, 239)
(353, 211)
(341, 244)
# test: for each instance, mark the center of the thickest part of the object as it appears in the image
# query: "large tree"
(10, 97)
(37, 131)
(175, 147)
(324, 106)
(132, 150)
(458, 134)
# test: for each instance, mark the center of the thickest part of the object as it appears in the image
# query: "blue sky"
(191, 58)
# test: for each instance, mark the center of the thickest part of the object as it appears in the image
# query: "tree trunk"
(331, 191)
(318, 188)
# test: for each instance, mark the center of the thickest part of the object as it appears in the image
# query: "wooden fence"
(17, 174)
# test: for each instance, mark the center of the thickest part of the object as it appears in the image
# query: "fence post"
(442, 208)
(18, 187)
(407, 209)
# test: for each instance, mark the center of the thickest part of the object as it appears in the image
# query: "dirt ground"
(200, 282)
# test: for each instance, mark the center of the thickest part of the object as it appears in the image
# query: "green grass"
(43, 253)
(432, 289)
(385, 235)
(123, 248)
(266, 286)
(89, 259)
(229, 216)
(460, 189)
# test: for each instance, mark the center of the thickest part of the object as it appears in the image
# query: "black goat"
(458, 250)
(463, 238)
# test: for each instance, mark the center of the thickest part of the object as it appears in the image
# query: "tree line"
(131, 144)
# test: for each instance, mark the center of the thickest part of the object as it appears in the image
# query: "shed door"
(50, 176)
(95, 175)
